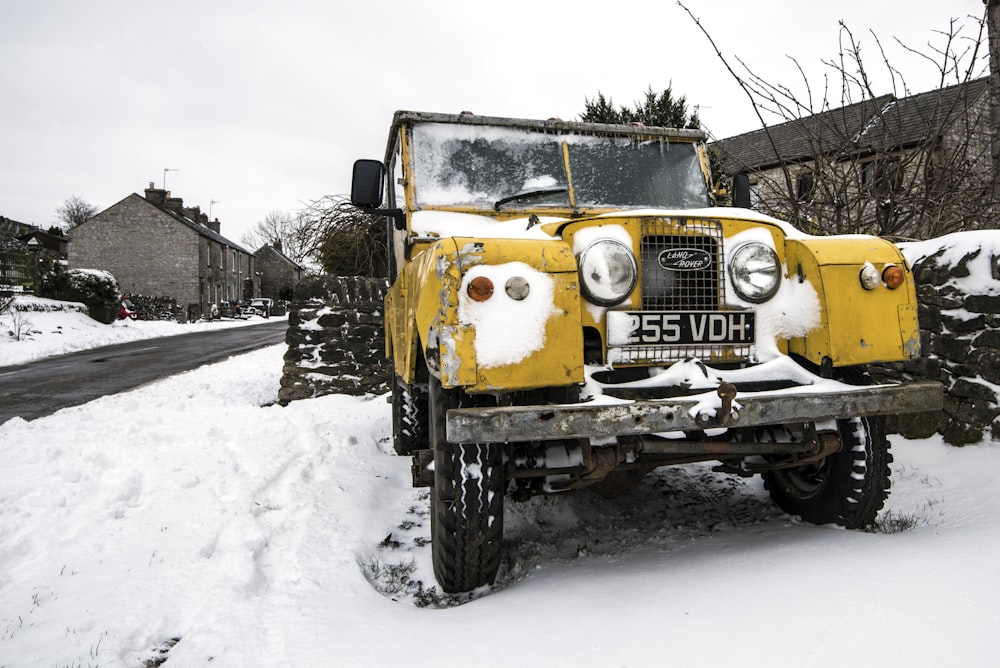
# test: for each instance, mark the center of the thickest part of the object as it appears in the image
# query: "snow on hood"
(454, 224)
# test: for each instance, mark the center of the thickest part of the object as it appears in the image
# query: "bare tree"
(993, 32)
(75, 210)
(328, 234)
(848, 159)
(348, 241)
(281, 229)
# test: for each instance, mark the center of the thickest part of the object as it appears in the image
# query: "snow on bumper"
(812, 403)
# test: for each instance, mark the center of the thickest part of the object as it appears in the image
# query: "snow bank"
(266, 536)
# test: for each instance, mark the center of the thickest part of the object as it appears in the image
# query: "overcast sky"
(264, 106)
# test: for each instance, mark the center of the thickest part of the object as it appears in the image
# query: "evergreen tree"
(656, 109)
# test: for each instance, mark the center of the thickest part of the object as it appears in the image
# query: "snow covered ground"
(234, 532)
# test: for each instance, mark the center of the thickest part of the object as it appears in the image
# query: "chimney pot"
(156, 196)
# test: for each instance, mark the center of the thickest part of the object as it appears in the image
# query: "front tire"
(847, 488)
(466, 501)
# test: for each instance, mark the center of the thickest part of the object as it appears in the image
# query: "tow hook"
(725, 413)
(726, 392)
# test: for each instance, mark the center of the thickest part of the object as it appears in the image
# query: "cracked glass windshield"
(483, 167)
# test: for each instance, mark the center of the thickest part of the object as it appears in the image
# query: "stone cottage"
(910, 167)
(277, 273)
(155, 246)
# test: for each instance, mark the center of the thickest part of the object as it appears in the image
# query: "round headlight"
(756, 272)
(607, 272)
(869, 277)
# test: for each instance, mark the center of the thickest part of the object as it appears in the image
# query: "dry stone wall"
(960, 346)
(335, 339)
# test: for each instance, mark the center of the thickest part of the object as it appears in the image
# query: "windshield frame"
(564, 139)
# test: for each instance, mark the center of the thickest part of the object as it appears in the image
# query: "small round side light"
(893, 275)
(480, 288)
(517, 288)
(870, 278)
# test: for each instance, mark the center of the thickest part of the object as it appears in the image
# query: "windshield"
(486, 167)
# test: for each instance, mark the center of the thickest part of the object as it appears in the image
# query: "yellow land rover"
(568, 308)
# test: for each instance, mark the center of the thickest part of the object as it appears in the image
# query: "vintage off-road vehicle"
(569, 309)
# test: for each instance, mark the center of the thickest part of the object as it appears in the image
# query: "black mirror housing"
(367, 183)
(741, 190)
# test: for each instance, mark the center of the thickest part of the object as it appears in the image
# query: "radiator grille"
(666, 290)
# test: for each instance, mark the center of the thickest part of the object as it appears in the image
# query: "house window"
(882, 176)
(804, 186)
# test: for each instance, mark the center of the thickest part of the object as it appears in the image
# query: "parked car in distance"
(262, 306)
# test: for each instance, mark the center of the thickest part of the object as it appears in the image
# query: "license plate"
(630, 328)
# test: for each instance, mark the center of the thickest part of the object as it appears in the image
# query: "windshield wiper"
(528, 194)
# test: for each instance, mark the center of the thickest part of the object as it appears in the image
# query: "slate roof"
(199, 228)
(187, 222)
(884, 122)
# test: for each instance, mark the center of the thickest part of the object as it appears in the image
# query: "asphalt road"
(41, 388)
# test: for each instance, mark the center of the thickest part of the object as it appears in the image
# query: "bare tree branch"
(75, 210)
(892, 164)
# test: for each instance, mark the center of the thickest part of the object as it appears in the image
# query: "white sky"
(263, 106)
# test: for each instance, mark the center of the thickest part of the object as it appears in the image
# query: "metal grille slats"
(664, 290)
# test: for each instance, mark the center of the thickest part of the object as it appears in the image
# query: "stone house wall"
(155, 247)
(145, 249)
(277, 272)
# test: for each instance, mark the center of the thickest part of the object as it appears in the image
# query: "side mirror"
(366, 184)
(741, 190)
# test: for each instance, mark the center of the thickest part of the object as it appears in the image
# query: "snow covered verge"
(45, 327)
(290, 536)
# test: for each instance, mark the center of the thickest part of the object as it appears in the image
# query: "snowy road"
(43, 387)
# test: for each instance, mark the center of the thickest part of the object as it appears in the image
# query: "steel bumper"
(725, 408)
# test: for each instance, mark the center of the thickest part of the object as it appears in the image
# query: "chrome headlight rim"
(755, 260)
(601, 248)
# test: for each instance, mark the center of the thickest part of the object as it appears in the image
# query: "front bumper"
(811, 403)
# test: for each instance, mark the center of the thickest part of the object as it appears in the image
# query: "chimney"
(175, 204)
(277, 245)
(194, 213)
(156, 196)
(215, 226)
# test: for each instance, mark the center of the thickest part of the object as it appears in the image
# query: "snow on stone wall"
(958, 290)
(335, 339)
